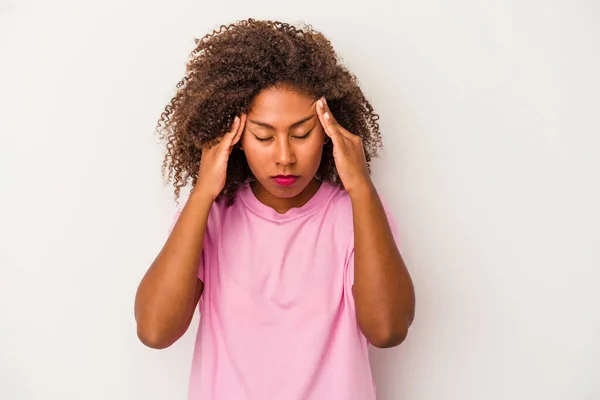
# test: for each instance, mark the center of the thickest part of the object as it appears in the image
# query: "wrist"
(200, 195)
(363, 189)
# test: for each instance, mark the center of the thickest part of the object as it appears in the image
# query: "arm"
(169, 292)
(383, 290)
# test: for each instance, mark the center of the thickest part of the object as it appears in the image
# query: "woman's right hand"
(213, 165)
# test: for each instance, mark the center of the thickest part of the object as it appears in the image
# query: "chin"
(285, 192)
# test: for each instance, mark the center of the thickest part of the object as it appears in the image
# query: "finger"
(234, 126)
(240, 130)
(229, 136)
(343, 131)
(328, 125)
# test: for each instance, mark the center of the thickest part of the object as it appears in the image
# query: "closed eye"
(304, 136)
(295, 137)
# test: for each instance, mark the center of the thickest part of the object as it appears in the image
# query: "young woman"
(283, 243)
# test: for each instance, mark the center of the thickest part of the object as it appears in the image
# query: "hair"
(228, 68)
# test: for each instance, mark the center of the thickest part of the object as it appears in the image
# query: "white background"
(490, 116)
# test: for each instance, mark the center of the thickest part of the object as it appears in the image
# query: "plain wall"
(489, 114)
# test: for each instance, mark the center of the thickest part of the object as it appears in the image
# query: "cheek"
(257, 155)
(311, 152)
(254, 155)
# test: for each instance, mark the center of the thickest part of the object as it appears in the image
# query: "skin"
(281, 117)
(283, 136)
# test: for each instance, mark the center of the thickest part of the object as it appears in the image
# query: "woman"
(283, 243)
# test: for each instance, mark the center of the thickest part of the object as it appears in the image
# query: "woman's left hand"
(348, 151)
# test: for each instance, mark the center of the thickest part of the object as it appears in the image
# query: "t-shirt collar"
(313, 204)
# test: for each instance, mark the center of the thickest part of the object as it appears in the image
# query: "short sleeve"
(201, 266)
(393, 227)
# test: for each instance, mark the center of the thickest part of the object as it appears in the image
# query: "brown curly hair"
(228, 68)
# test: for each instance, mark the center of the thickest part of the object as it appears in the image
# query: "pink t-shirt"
(277, 315)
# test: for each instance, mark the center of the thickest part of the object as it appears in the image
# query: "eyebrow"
(295, 124)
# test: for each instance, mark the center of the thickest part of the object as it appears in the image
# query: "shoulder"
(218, 210)
(339, 200)
(340, 210)
(222, 215)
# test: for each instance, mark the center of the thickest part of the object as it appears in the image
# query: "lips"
(285, 180)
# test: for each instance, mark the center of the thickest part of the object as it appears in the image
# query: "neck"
(283, 205)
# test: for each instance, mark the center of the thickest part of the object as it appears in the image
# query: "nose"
(284, 153)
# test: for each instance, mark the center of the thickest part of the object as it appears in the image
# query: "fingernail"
(326, 115)
(320, 103)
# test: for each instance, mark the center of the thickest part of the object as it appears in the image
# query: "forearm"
(165, 299)
(383, 290)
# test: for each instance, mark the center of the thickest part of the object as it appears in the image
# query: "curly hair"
(228, 68)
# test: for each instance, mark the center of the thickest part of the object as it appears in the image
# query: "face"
(283, 141)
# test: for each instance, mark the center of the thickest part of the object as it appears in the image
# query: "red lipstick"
(285, 180)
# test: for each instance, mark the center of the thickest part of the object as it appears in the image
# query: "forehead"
(280, 106)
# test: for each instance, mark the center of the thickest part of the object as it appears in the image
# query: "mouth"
(285, 180)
